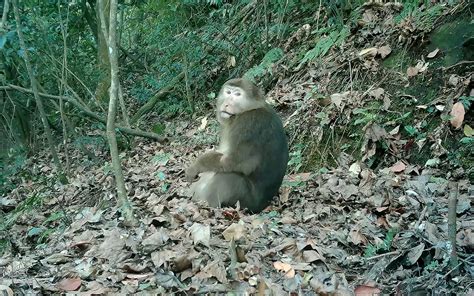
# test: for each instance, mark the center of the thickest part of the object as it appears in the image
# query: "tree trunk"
(39, 102)
(4, 15)
(113, 92)
(102, 54)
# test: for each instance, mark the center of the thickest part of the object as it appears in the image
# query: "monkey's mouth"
(225, 114)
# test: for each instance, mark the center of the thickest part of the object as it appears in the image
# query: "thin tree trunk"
(39, 102)
(103, 9)
(6, 7)
(125, 204)
(123, 107)
(63, 83)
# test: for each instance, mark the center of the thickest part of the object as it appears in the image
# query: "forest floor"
(345, 231)
(349, 230)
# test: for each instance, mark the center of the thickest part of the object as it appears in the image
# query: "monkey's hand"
(191, 173)
(210, 159)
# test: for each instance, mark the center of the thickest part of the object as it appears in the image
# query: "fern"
(264, 67)
(335, 38)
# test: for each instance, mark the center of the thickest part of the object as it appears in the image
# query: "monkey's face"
(233, 101)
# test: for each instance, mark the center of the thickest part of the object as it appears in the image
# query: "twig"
(457, 64)
(383, 255)
(452, 201)
(233, 259)
(85, 110)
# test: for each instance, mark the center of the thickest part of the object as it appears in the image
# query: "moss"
(451, 38)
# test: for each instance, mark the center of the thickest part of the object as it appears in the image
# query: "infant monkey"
(251, 160)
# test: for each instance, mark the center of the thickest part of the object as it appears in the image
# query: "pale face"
(233, 101)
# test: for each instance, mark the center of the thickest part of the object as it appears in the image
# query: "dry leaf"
(433, 53)
(372, 51)
(377, 93)
(398, 167)
(235, 231)
(337, 99)
(5, 290)
(285, 267)
(457, 115)
(384, 51)
(69, 284)
(468, 131)
(366, 291)
(394, 131)
(415, 253)
(453, 80)
(200, 233)
(412, 71)
(230, 62)
(203, 124)
(355, 168)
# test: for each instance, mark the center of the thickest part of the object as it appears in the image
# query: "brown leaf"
(69, 284)
(285, 267)
(366, 291)
(398, 167)
(235, 231)
(377, 93)
(412, 71)
(372, 51)
(415, 253)
(312, 256)
(356, 237)
(384, 51)
(301, 177)
(457, 115)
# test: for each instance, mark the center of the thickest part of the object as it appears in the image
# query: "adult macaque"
(251, 160)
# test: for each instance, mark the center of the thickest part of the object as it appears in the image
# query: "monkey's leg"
(223, 189)
(198, 188)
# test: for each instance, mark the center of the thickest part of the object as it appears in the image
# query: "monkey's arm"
(214, 161)
(204, 163)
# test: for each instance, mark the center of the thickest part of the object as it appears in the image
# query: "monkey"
(252, 156)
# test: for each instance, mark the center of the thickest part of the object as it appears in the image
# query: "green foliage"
(296, 158)
(10, 164)
(424, 19)
(31, 203)
(365, 115)
(324, 43)
(466, 101)
(383, 247)
(272, 56)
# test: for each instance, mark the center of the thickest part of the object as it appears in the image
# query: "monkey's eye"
(228, 92)
(237, 94)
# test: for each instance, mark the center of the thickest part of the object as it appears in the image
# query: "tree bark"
(39, 102)
(125, 204)
(103, 7)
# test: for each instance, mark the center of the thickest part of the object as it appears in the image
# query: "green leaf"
(34, 231)
(410, 130)
(159, 128)
(160, 175)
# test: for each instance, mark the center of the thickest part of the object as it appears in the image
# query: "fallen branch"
(152, 102)
(452, 203)
(89, 113)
